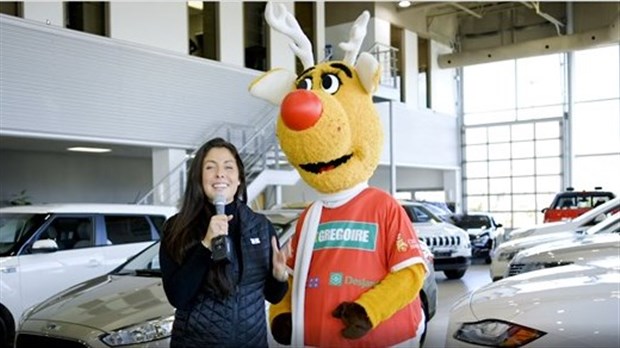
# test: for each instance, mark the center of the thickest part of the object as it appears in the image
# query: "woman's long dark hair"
(190, 224)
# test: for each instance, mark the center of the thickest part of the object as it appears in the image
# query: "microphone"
(221, 248)
(219, 202)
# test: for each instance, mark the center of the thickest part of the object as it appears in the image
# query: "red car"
(570, 203)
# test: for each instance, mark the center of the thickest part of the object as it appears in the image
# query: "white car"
(581, 222)
(47, 248)
(567, 306)
(128, 306)
(450, 244)
(502, 256)
(581, 249)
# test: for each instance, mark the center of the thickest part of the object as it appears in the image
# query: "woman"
(220, 302)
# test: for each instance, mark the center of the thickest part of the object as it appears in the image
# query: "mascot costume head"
(328, 126)
(330, 131)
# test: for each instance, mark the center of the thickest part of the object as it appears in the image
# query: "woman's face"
(220, 174)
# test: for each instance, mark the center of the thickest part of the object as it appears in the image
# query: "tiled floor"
(449, 291)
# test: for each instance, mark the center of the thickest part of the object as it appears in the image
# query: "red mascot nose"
(301, 109)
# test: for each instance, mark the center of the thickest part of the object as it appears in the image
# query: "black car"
(483, 231)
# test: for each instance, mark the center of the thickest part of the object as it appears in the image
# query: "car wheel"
(7, 332)
(424, 302)
(454, 273)
(487, 260)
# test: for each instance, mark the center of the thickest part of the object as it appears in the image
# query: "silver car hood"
(109, 303)
(527, 242)
(584, 245)
(523, 295)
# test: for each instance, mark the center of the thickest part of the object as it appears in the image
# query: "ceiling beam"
(556, 44)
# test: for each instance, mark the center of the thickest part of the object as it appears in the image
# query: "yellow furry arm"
(284, 306)
(393, 293)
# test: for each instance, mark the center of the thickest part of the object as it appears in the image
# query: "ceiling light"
(88, 149)
(195, 4)
(404, 4)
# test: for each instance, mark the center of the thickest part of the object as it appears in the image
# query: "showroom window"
(596, 119)
(515, 131)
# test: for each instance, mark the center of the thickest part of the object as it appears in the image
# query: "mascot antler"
(356, 37)
(286, 23)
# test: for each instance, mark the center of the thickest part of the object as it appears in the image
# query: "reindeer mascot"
(357, 267)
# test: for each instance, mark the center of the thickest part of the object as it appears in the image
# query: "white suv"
(450, 244)
(47, 248)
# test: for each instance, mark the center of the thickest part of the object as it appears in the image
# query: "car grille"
(28, 341)
(441, 241)
(516, 268)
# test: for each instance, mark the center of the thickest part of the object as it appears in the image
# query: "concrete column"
(443, 82)
(410, 75)
(452, 187)
(279, 53)
(47, 12)
(169, 176)
(230, 40)
(156, 24)
(319, 30)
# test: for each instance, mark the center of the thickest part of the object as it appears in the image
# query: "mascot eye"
(305, 84)
(330, 83)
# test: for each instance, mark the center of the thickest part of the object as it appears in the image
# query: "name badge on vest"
(255, 241)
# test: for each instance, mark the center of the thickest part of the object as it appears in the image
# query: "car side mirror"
(499, 225)
(44, 246)
(599, 218)
(544, 210)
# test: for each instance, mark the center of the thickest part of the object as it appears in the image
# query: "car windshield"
(16, 229)
(471, 221)
(419, 214)
(582, 200)
(147, 262)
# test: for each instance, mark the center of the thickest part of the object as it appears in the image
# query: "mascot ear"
(273, 85)
(369, 71)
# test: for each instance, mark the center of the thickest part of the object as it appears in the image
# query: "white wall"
(57, 177)
(49, 12)
(422, 138)
(157, 24)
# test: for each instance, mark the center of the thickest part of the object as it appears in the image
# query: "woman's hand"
(217, 226)
(280, 256)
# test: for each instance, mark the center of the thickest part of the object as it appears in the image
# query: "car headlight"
(497, 333)
(481, 239)
(144, 332)
(507, 255)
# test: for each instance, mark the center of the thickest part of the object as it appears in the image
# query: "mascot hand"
(281, 328)
(355, 319)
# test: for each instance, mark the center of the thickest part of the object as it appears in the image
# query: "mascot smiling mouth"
(320, 167)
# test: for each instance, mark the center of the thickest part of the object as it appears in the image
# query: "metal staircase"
(265, 163)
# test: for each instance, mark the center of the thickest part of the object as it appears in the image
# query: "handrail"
(387, 56)
(177, 176)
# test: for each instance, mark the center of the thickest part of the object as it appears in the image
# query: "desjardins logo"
(339, 279)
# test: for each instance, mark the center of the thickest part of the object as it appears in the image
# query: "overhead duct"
(558, 44)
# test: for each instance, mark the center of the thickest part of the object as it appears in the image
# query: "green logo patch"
(335, 279)
(347, 235)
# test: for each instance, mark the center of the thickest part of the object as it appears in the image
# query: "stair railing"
(251, 142)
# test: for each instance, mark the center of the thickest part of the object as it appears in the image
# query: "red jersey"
(356, 246)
